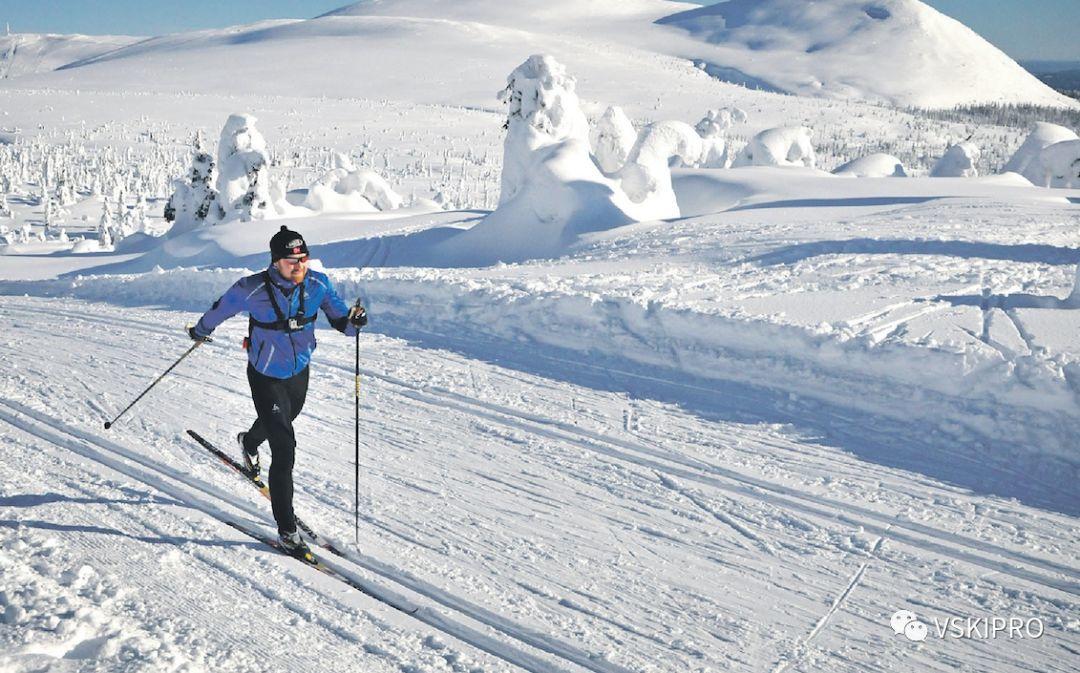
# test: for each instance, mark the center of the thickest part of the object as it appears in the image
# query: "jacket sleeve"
(229, 304)
(336, 310)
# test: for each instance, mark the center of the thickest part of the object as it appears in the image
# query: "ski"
(274, 543)
(258, 483)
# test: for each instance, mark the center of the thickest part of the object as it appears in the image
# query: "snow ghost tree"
(1059, 165)
(783, 146)
(612, 139)
(243, 180)
(958, 162)
(348, 189)
(1025, 160)
(552, 190)
(194, 200)
(714, 147)
(105, 226)
(542, 110)
(646, 176)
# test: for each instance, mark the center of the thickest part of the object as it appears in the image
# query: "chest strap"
(282, 324)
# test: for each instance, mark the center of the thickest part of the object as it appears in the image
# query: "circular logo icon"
(900, 620)
(916, 631)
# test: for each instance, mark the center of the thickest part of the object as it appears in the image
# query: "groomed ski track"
(540, 525)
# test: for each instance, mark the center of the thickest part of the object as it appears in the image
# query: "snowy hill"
(901, 52)
(29, 53)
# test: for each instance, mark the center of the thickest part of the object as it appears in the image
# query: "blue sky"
(1024, 29)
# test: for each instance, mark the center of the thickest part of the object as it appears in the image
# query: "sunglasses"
(293, 261)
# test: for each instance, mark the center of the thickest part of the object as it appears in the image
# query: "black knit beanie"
(286, 243)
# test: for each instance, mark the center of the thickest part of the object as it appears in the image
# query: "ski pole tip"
(108, 425)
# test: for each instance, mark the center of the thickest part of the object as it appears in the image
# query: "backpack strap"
(282, 324)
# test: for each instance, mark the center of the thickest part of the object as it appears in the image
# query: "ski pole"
(356, 464)
(109, 424)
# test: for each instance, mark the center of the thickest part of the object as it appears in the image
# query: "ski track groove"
(427, 616)
(778, 495)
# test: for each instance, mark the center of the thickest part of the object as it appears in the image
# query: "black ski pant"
(277, 402)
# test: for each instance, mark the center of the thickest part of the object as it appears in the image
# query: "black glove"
(357, 316)
(195, 336)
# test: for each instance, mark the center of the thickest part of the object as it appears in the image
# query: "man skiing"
(282, 303)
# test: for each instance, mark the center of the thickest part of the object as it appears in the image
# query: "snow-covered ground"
(739, 437)
(542, 518)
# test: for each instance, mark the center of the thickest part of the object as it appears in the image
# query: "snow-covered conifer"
(194, 199)
(783, 146)
(958, 162)
(542, 110)
(612, 137)
(243, 180)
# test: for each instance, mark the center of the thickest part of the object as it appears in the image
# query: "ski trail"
(780, 496)
(78, 441)
(742, 530)
(853, 582)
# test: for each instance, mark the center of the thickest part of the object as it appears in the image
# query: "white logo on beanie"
(295, 243)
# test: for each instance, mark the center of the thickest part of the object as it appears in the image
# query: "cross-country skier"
(282, 303)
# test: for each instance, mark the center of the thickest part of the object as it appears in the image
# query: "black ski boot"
(294, 545)
(251, 460)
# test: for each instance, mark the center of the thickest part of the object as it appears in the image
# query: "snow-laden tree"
(194, 199)
(542, 110)
(612, 138)
(957, 162)
(106, 226)
(646, 176)
(346, 188)
(715, 150)
(552, 189)
(1025, 160)
(243, 178)
(1059, 165)
(783, 146)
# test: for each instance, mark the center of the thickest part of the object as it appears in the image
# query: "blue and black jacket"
(281, 318)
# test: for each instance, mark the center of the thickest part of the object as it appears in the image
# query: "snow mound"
(348, 189)
(958, 162)
(876, 165)
(901, 52)
(784, 146)
(1042, 135)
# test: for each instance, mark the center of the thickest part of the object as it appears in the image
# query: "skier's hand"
(357, 316)
(195, 336)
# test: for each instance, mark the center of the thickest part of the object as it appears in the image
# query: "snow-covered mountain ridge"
(898, 52)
